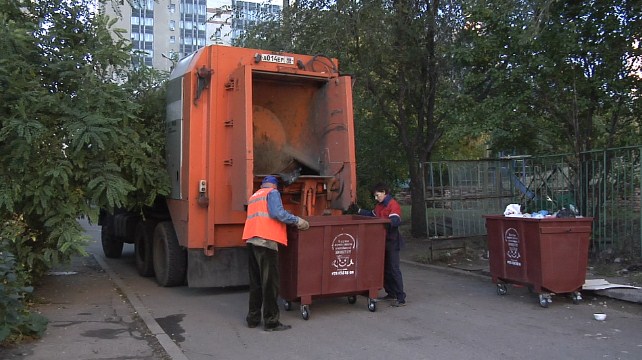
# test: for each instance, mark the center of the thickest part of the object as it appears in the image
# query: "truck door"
(239, 123)
(339, 141)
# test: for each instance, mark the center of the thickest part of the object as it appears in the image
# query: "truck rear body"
(235, 115)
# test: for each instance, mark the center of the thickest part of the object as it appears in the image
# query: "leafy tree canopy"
(77, 132)
(552, 76)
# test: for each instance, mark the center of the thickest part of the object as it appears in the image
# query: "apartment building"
(164, 30)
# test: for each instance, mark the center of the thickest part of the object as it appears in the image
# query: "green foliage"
(551, 76)
(80, 130)
(16, 321)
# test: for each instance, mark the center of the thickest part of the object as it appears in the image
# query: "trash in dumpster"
(566, 213)
(513, 210)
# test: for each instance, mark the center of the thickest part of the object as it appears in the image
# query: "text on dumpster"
(344, 249)
(511, 237)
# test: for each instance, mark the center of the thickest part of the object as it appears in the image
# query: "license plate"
(279, 59)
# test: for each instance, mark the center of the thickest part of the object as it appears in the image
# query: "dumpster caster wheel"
(352, 299)
(544, 300)
(287, 305)
(305, 312)
(501, 289)
(372, 305)
(577, 297)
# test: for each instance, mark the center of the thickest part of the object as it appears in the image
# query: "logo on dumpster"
(343, 246)
(511, 236)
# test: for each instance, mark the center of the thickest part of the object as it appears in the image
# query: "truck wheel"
(170, 260)
(111, 247)
(143, 247)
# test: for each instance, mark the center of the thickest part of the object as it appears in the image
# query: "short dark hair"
(381, 187)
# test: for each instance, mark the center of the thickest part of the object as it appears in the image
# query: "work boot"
(278, 327)
(252, 325)
(252, 321)
(398, 303)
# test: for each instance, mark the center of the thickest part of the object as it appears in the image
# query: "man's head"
(270, 181)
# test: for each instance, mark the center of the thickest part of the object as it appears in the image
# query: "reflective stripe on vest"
(259, 223)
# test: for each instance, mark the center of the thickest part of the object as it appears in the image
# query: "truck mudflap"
(227, 267)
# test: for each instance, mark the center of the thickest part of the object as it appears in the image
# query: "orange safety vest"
(259, 223)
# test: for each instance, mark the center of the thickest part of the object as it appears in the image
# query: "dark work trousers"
(263, 268)
(392, 278)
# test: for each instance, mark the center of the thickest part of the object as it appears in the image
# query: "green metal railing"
(603, 184)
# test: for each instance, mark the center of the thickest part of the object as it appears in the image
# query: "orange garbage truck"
(235, 115)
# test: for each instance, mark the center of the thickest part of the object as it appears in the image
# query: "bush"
(16, 321)
(80, 130)
(23, 260)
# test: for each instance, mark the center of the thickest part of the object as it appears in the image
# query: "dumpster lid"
(344, 220)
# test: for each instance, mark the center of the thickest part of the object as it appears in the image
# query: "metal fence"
(603, 184)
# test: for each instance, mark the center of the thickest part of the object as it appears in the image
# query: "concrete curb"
(170, 347)
(477, 274)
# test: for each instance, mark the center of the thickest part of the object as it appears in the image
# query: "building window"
(172, 25)
(143, 4)
(172, 39)
(172, 8)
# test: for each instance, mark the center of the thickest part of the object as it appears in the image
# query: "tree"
(553, 75)
(72, 135)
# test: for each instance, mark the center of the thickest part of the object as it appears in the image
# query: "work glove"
(302, 224)
(353, 209)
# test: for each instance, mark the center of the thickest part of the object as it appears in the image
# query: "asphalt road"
(448, 316)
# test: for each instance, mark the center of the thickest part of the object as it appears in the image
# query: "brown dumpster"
(337, 256)
(548, 255)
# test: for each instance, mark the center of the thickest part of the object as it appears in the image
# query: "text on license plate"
(279, 59)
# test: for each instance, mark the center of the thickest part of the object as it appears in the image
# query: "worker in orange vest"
(265, 229)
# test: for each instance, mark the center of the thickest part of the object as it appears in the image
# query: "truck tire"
(112, 247)
(143, 247)
(170, 259)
